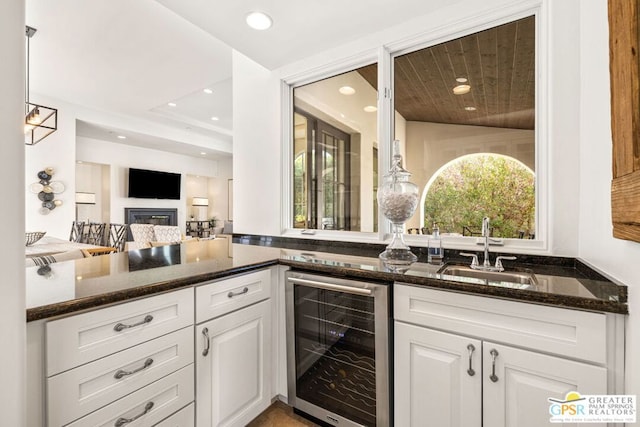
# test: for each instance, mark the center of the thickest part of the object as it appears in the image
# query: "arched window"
(471, 187)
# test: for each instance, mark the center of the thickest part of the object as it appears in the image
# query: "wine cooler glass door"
(334, 334)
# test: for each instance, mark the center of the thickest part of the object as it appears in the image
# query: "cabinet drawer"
(577, 334)
(150, 404)
(79, 339)
(77, 392)
(185, 417)
(223, 296)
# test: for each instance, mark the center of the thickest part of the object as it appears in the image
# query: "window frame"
(384, 55)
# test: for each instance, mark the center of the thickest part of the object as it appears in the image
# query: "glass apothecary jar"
(398, 199)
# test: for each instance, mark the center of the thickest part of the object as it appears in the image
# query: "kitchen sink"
(515, 279)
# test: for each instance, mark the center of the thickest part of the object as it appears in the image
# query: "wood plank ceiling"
(499, 65)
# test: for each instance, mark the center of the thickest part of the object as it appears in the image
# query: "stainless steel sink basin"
(526, 279)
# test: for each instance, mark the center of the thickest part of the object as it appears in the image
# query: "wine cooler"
(338, 349)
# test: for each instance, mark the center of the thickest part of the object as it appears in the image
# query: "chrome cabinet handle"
(235, 294)
(471, 349)
(205, 333)
(120, 373)
(121, 326)
(494, 354)
(124, 421)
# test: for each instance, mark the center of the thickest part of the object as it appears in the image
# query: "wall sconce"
(47, 190)
(200, 202)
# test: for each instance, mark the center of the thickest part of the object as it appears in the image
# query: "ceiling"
(135, 57)
(499, 65)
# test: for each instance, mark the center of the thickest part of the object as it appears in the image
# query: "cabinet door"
(433, 384)
(523, 381)
(233, 367)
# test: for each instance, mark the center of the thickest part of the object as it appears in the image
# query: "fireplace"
(150, 216)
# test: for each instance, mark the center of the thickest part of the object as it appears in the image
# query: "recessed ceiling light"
(461, 89)
(172, 104)
(470, 108)
(207, 91)
(215, 119)
(347, 90)
(461, 80)
(122, 137)
(370, 109)
(203, 153)
(259, 20)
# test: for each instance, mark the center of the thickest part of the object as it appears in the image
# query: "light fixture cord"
(26, 106)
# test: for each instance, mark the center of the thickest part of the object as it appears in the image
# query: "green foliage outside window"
(483, 185)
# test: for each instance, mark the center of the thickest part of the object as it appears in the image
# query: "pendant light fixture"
(39, 121)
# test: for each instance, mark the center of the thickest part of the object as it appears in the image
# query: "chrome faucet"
(486, 264)
(485, 233)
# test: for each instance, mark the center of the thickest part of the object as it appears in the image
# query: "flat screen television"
(148, 184)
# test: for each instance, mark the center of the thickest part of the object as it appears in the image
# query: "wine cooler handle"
(471, 349)
(121, 326)
(207, 344)
(494, 354)
(331, 286)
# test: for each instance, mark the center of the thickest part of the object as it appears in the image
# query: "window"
(334, 137)
(473, 94)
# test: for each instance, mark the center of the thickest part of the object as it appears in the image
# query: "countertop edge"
(525, 296)
(109, 298)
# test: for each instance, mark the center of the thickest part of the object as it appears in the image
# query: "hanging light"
(39, 121)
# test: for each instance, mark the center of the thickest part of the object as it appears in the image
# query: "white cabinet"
(234, 358)
(432, 382)
(517, 383)
(132, 361)
(463, 360)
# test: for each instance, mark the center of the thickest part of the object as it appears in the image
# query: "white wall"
(12, 297)
(618, 258)
(89, 179)
(121, 157)
(558, 120)
(575, 111)
(56, 151)
(257, 153)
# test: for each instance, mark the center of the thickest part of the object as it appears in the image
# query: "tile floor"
(280, 415)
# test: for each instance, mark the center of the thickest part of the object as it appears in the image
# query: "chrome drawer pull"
(471, 349)
(494, 354)
(123, 421)
(122, 373)
(205, 332)
(235, 294)
(121, 326)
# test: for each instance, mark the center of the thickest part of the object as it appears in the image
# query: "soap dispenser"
(435, 253)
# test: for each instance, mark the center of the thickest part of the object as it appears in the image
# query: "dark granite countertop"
(67, 287)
